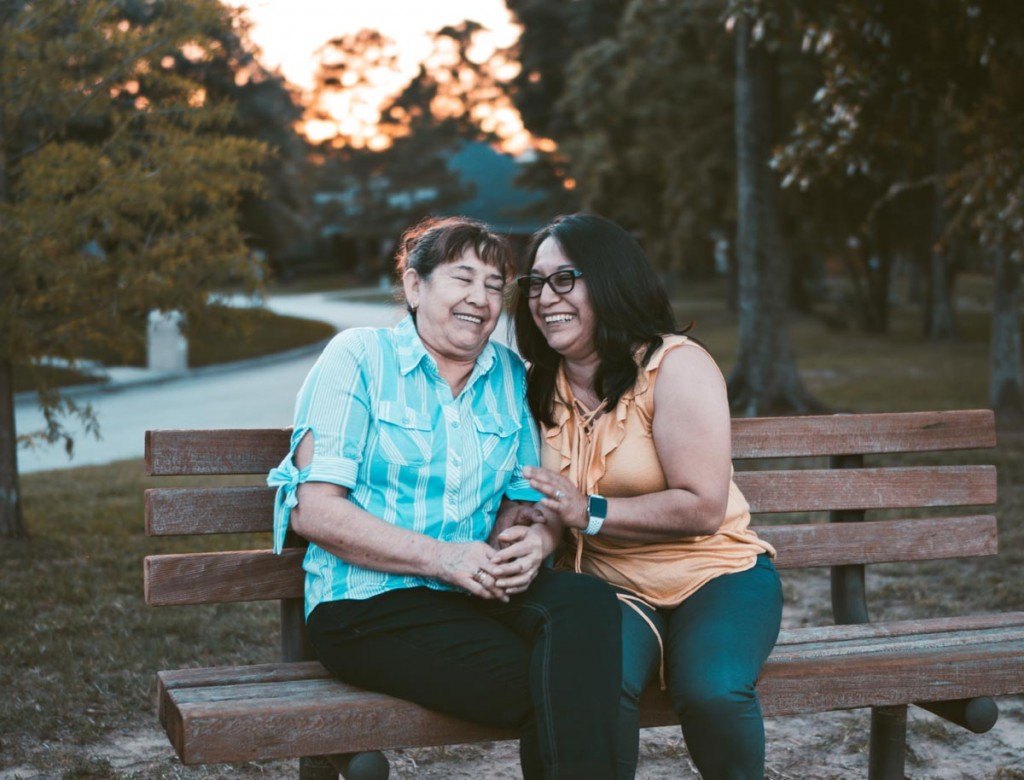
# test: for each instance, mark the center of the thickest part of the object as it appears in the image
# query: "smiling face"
(566, 320)
(457, 306)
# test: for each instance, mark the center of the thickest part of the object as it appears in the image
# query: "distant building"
(354, 240)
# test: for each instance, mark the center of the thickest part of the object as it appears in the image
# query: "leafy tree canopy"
(119, 180)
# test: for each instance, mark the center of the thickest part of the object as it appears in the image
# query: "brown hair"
(439, 240)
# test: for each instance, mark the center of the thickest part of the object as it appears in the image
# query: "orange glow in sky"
(289, 32)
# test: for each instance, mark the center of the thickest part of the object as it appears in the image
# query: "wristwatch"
(597, 509)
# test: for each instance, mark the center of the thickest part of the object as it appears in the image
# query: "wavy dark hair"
(631, 308)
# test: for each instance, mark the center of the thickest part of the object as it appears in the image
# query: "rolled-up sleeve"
(332, 405)
(528, 453)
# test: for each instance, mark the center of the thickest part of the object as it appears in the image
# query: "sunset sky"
(290, 31)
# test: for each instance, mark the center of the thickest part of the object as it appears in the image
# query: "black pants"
(548, 663)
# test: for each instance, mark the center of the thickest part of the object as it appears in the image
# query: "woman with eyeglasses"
(407, 442)
(637, 473)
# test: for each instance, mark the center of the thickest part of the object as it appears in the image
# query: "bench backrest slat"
(256, 451)
(255, 575)
(258, 574)
(173, 511)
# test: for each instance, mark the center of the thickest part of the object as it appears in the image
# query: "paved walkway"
(249, 394)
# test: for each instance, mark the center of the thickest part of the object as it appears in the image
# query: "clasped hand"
(493, 573)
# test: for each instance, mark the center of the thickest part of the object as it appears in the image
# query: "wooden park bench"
(294, 709)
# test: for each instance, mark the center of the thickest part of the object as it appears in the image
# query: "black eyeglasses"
(561, 282)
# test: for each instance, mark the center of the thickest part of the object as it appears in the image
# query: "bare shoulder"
(690, 371)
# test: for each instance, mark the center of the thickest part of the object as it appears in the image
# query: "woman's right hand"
(469, 566)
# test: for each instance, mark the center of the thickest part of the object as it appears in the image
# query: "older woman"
(406, 443)
(638, 468)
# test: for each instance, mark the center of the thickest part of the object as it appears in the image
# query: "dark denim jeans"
(548, 663)
(716, 642)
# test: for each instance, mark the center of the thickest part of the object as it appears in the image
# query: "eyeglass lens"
(561, 282)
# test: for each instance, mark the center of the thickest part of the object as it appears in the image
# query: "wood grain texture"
(881, 541)
(256, 451)
(206, 578)
(174, 511)
(215, 451)
(866, 434)
(286, 710)
(224, 510)
(259, 575)
(812, 490)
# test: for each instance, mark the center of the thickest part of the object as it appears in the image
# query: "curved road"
(252, 394)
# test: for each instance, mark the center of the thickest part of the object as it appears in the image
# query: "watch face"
(597, 506)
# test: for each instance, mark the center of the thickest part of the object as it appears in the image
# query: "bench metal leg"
(888, 745)
(978, 715)
(317, 768)
(362, 766)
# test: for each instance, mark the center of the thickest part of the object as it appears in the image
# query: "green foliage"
(119, 181)
(917, 95)
(652, 144)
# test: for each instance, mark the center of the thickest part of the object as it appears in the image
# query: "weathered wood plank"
(258, 575)
(256, 451)
(318, 716)
(171, 511)
(225, 510)
(812, 490)
(233, 675)
(863, 434)
(895, 628)
(215, 451)
(206, 578)
(881, 541)
(884, 679)
(284, 671)
(290, 671)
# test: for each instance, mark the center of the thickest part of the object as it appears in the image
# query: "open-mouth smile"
(557, 319)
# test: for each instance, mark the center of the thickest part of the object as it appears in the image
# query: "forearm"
(357, 537)
(658, 517)
(550, 534)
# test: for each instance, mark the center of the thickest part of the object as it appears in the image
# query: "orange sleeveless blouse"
(613, 454)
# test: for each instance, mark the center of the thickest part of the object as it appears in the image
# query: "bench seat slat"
(256, 451)
(311, 714)
(180, 511)
(258, 575)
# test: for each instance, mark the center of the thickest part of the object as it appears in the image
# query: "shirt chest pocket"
(405, 436)
(499, 440)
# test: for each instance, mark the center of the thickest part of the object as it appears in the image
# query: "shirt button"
(455, 424)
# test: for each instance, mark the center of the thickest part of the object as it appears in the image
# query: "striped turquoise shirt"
(385, 425)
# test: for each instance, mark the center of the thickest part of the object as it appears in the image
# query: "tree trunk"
(12, 524)
(1006, 387)
(765, 379)
(940, 324)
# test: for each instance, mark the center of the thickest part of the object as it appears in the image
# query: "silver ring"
(559, 495)
(479, 576)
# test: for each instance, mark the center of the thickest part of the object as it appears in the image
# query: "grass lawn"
(80, 648)
(237, 334)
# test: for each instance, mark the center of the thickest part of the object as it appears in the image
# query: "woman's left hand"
(562, 496)
(518, 560)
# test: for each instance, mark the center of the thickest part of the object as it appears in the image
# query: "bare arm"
(325, 516)
(692, 436)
